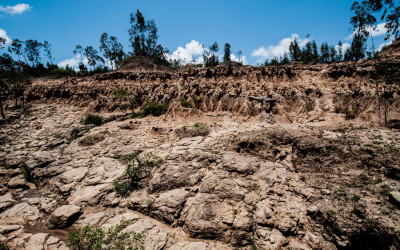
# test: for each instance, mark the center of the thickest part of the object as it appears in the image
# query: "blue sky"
(259, 28)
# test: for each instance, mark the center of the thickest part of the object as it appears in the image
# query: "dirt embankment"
(283, 94)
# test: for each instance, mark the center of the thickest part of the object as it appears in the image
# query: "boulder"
(394, 198)
(64, 216)
(169, 204)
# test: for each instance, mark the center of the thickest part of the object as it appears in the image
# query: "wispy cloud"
(378, 30)
(4, 35)
(16, 9)
(277, 50)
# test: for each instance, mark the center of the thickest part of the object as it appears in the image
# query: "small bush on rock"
(91, 237)
(154, 109)
(93, 119)
(139, 167)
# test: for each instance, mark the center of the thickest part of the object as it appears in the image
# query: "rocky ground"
(245, 157)
(223, 182)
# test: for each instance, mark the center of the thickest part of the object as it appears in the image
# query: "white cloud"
(242, 59)
(73, 62)
(277, 50)
(379, 30)
(345, 46)
(16, 9)
(193, 50)
(3, 34)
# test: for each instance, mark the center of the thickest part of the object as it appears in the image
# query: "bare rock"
(37, 241)
(64, 216)
(17, 182)
(168, 205)
(6, 201)
(394, 198)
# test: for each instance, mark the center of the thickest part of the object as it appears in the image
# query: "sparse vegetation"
(93, 139)
(140, 166)
(92, 119)
(152, 108)
(385, 191)
(92, 237)
(186, 104)
(198, 129)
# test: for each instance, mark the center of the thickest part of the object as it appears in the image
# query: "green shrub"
(93, 119)
(186, 104)
(119, 94)
(139, 167)
(123, 188)
(385, 191)
(91, 237)
(155, 109)
(26, 172)
(3, 246)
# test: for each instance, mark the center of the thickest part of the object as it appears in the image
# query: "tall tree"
(365, 11)
(16, 47)
(47, 51)
(239, 55)
(294, 50)
(340, 51)
(211, 56)
(32, 51)
(315, 52)
(112, 49)
(324, 53)
(2, 42)
(79, 51)
(92, 56)
(227, 52)
(143, 37)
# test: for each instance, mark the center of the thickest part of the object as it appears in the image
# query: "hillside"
(288, 157)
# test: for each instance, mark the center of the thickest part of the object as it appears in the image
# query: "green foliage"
(143, 38)
(122, 189)
(211, 56)
(227, 52)
(139, 167)
(3, 246)
(93, 119)
(59, 73)
(92, 237)
(154, 109)
(385, 191)
(26, 172)
(186, 104)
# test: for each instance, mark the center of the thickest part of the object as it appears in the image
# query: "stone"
(325, 192)
(5, 229)
(312, 210)
(64, 216)
(6, 201)
(394, 198)
(37, 241)
(169, 204)
(17, 182)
